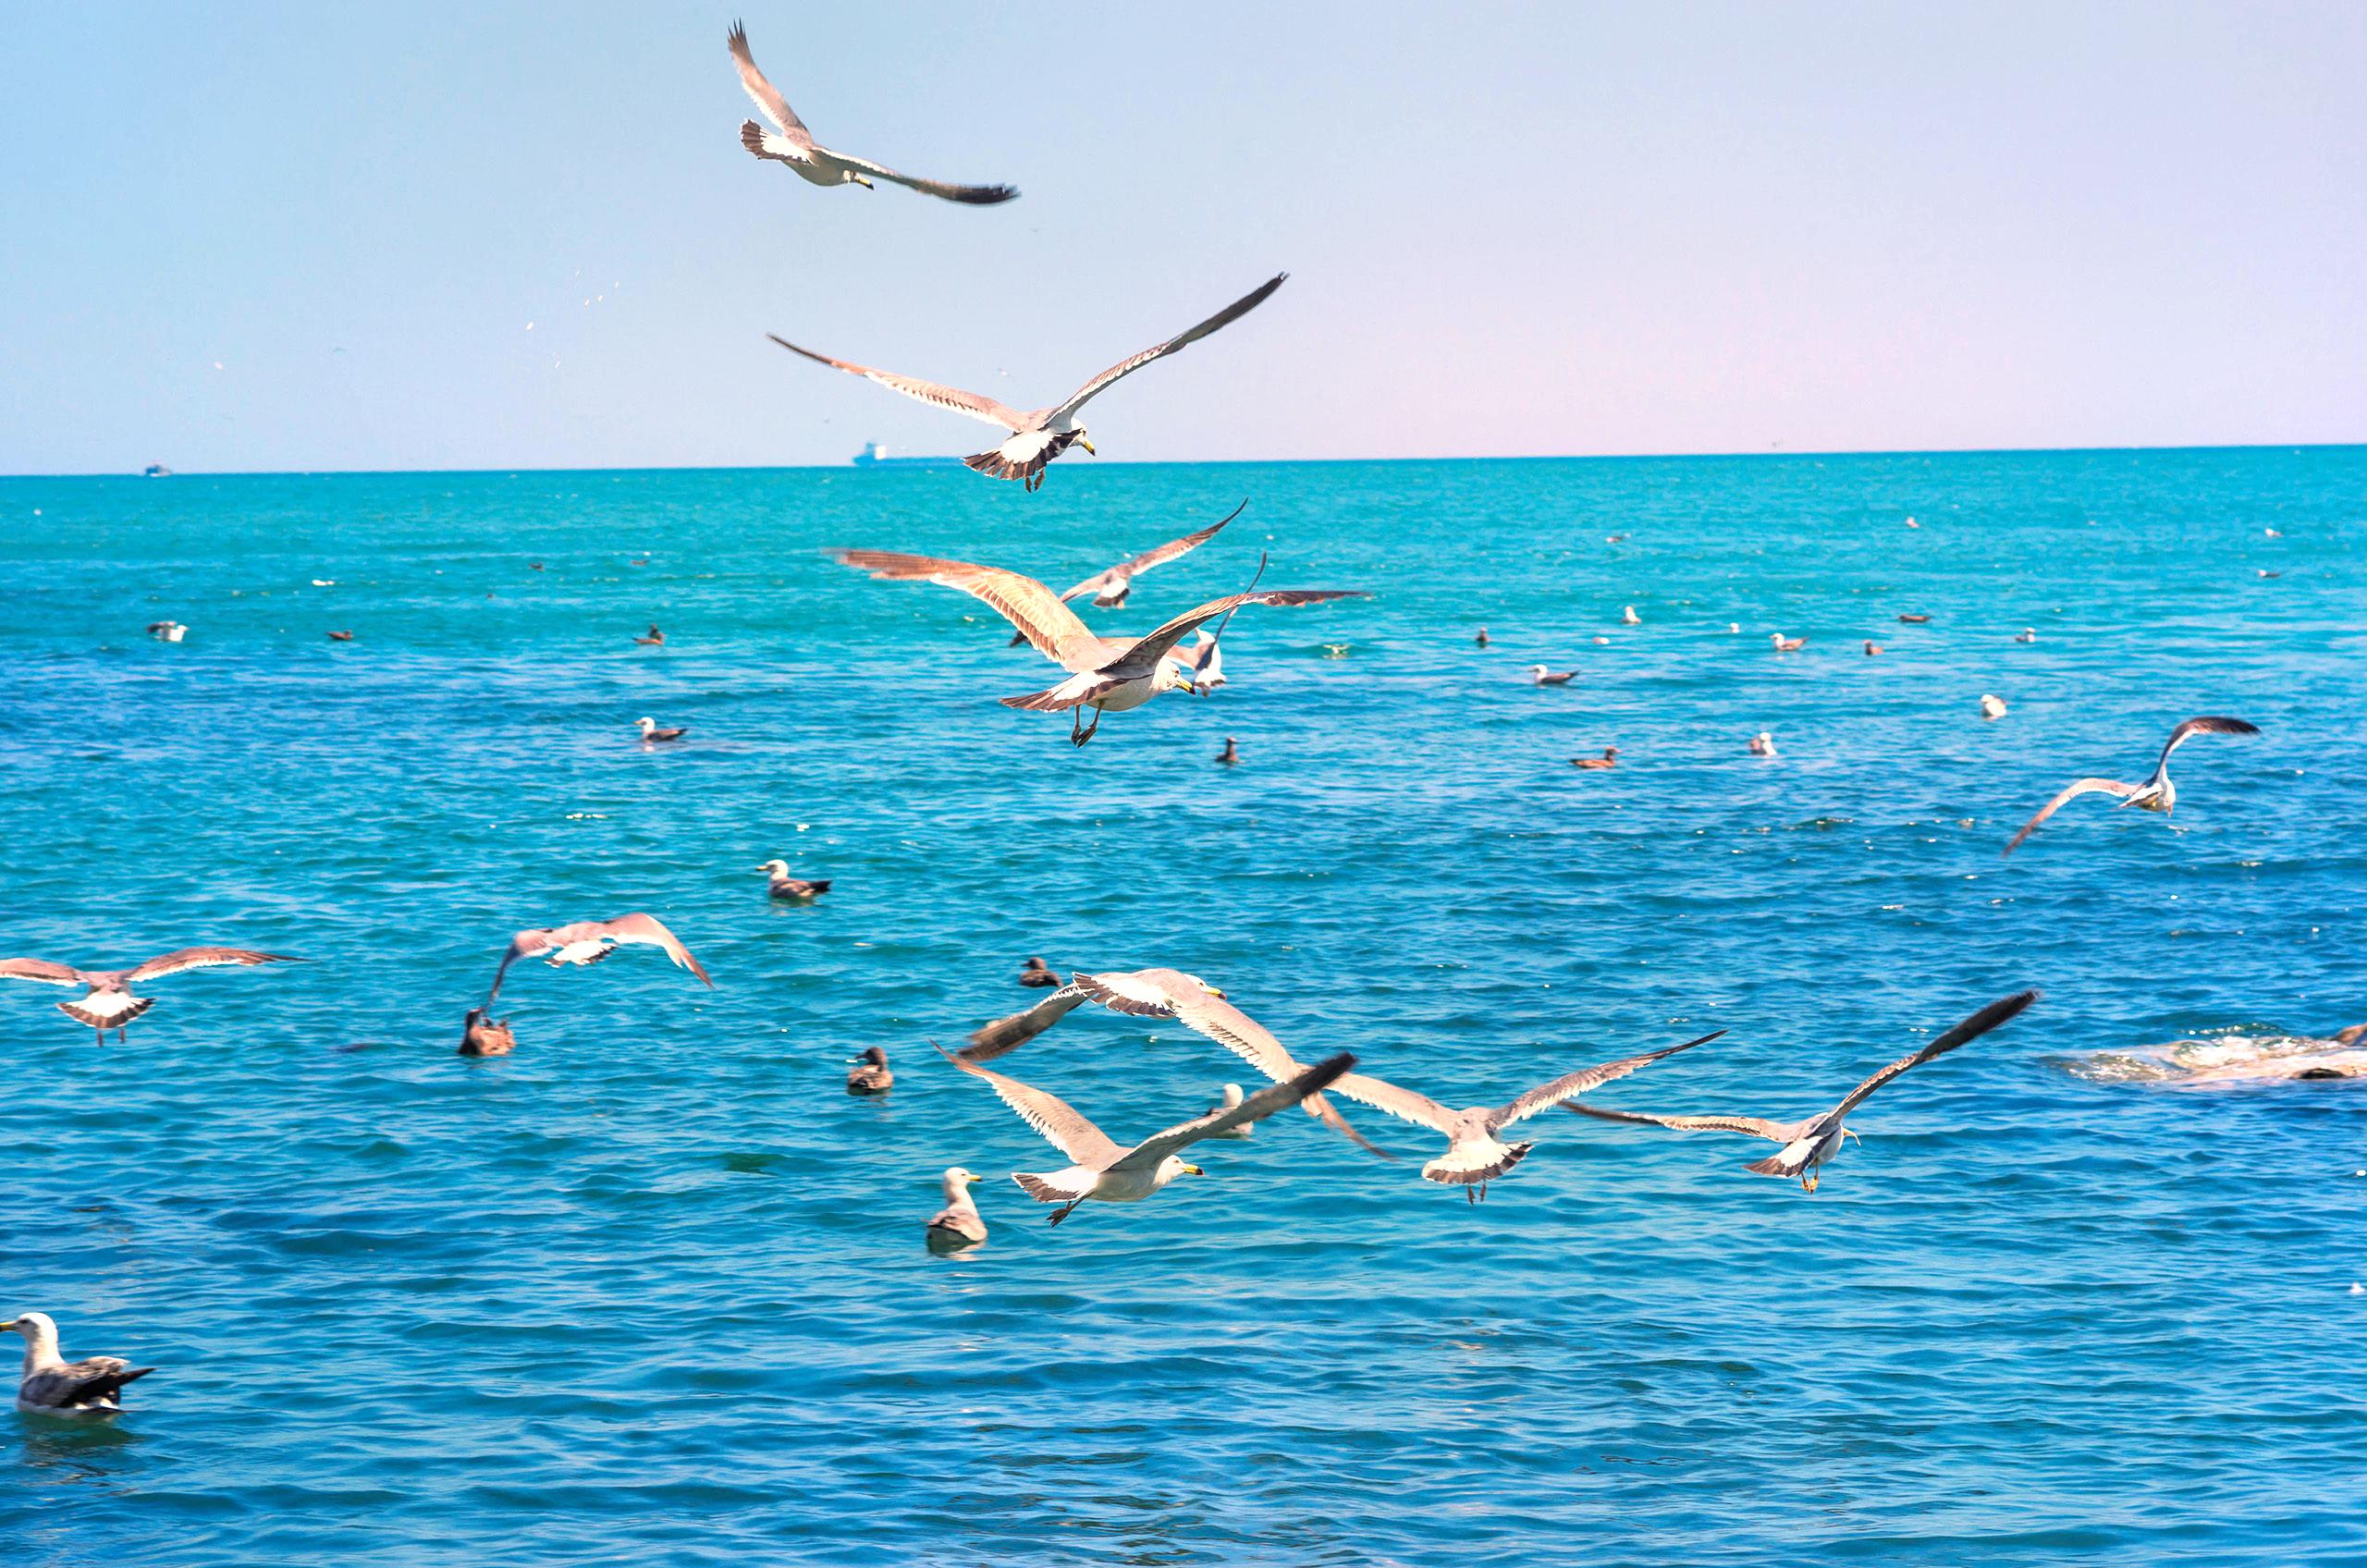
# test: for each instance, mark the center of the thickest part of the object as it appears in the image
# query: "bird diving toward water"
(589, 941)
(1038, 436)
(108, 1002)
(789, 142)
(2157, 793)
(1106, 674)
(51, 1385)
(1809, 1145)
(1100, 1170)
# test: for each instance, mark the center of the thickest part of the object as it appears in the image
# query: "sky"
(249, 236)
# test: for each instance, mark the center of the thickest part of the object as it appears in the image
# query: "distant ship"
(874, 454)
(155, 470)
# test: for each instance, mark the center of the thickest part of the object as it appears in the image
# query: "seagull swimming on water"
(1099, 1169)
(2157, 793)
(1038, 436)
(1540, 676)
(651, 735)
(107, 1002)
(1106, 674)
(589, 941)
(792, 889)
(50, 1385)
(789, 142)
(1809, 1145)
(958, 1224)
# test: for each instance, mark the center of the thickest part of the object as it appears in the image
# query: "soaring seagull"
(2157, 793)
(1111, 586)
(1107, 1173)
(51, 1385)
(107, 1002)
(589, 941)
(1039, 436)
(789, 142)
(1106, 674)
(1808, 1144)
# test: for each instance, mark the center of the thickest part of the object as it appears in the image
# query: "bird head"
(957, 1177)
(775, 867)
(1173, 677)
(872, 1054)
(31, 1325)
(1206, 987)
(644, 724)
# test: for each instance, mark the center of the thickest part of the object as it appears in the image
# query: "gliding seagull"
(2157, 793)
(107, 1002)
(589, 941)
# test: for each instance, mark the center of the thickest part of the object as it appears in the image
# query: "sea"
(653, 1289)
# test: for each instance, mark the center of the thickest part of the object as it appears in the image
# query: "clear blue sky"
(1512, 228)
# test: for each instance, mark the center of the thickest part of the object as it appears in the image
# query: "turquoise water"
(653, 1290)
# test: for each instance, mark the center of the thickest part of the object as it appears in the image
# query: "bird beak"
(1193, 1170)
(1088, 446)
(864, 183)
(1216, 993)
(10, 1324)
(974, 1181)
(1183, 679)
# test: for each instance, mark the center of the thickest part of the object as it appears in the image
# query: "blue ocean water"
(653, 1289)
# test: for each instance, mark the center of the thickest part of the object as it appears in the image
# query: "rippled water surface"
(653, 1289)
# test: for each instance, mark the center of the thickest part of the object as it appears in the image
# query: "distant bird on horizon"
(655, 639)
(1540, 676)
(1809, 1145)
(1038, 436)
(1231, 755)
(1763, 744)
(50, 1385)
(1106, 674)
(1483, 638)
(1914, 620)
(1992, 705)
(1787, 645)
(789, 142)
(651, 735)
(1111, 586)
(589, 941)
(2157, 793)
(482, 1034)
(167, 631)
(107, 1002)
(2026, 634)
(1610, 758)
(869, 1076)
(958, 1224)
(792, 889)
(1038, 974)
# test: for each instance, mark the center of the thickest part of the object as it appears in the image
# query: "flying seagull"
(789, 142)
(1106, 674)
(107, 1002)
(1808, 1144)
(1111, 586)
(53, 1386)
(1039, 436)
(2157, 793)
(589, 941)
(1103, 1171)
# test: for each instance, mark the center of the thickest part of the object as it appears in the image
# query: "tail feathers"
(821, 887)
(1075, 691)
(109, 1385)
(759, 143)
(996, 466)
(1439, 1170)
(1041, 1190)
(115, 1019)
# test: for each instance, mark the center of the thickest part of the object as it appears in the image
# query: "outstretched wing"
(203, 958)
(1126, 367)
(647, 930)
(2206, 725)
(1160, 555)
(1971, 1029)
(1257, 1108)
(1144, 656)
(1750, 1126)
(2077, 787)
(769, 99)
(1048, 625)
(1061, 1123)
(1009, 1032)
(971, 195)
(1390, 1099)
(38, 969)
(930, 392)
(527, 944)
(1545, 1096)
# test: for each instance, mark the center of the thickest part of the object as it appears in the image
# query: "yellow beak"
(1088, 446)
(1193, 1170)
(10, 1324)
(972, 1180)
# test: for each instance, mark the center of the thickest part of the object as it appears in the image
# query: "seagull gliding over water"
(2157, 793)
(107, 1002)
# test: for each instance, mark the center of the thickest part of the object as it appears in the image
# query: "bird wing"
(769, 99)
(1145, 654)
(973, 195)
(1752, 1126)
(1403, 1104)
(974, 404)
(1160, 555)
(1545, 1096)
(2076, 787)
(1126, 367)
(527, 944)
(649, 931)
(1255, 1107)
(39, 969)
(82, 1382)
(1009, 1032)
(203, 958)
(2206, 725)
(1971, 1029)
(1048, 625)
(1061, 1123)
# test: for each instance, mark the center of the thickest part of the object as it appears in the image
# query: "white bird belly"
(581, 952)
(1133, 694)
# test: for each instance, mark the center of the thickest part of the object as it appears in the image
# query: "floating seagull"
(1483, 638)
(1992, 705)
(341, 636)
(1540, 676)
(2265, 572)
(167, 631)
(1106, 674)
(1610, 758)
(1630, 617)
(1763, 744)
(1914, 620)
(2157, 793)
(1336, 650)
(1787, 645)
(589, 941)
(1227, 1098)
(1232, 752)
(108, 1002)
(870, 1074)
(792, 889)
(53, 1386)
(482, 1034)
(1039, 436)
(958, 1224)
(1872, 649)
(1808, 1144)
(651, 734)
(1103, 1171)
(792, 144)
(2026, 634)
(1038, 974)
(655, 639)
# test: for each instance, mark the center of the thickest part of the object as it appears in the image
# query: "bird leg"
(1064, 1213)
(1809, 1180)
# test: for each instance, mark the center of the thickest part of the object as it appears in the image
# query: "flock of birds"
(1105, 675)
